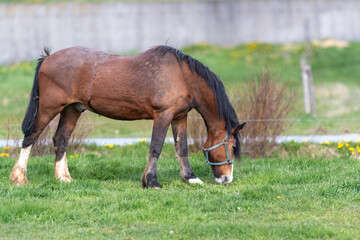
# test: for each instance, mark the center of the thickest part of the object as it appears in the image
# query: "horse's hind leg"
(18, 172)
(179, 129)
(68, 119)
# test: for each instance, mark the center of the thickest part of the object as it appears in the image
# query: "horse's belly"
(121, 110)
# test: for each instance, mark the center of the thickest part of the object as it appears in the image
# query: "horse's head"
(220, 151)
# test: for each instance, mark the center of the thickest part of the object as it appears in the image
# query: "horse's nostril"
(226, 179)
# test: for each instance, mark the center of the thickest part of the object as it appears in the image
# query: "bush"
(264, 103)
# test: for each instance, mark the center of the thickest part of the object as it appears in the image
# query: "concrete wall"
(122, 26)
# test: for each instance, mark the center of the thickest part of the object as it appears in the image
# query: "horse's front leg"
(179, 129)
(161, 125)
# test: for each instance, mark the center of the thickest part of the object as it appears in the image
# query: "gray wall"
(122, 27)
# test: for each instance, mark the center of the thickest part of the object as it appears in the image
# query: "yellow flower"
(358, 141)
(142, 140)
(358, 148)
(278, 197)
(351, 149)
(76, 155)
(340, 145)
(7, 147)
(321, 143)
(92, 232)
(162, 233)
(105, 145)
(353, 153)
(111, 145)
(1, 155)
(347, 145)
(327, 142)
(6, 154)
(71, 156)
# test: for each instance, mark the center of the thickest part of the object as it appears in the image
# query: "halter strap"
(207, 150)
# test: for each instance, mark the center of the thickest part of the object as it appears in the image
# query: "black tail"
(28, 123)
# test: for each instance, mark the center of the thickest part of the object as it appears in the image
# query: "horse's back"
(121, 87)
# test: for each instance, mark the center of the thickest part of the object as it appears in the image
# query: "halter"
(207, 150)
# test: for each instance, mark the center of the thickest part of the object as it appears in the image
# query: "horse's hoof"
(65, 179)
(153, 185)
(195, 181)
(18, 176)
(149, 181)
(19, 181)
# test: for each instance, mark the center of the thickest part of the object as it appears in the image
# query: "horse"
(162, 84)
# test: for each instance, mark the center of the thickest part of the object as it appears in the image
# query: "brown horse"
(162, 83)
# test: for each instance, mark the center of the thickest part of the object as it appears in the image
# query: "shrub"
(264, 103)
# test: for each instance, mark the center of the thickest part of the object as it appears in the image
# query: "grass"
(293, 197)
(336, 73)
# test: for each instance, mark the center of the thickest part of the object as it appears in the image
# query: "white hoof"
(195, 181)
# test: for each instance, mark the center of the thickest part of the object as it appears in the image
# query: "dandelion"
(111, 145)
(304, 140)
(340, 145)
(142, 140)
(6, 154)
(358, 141)
(321, 143)
(105, 145)
(71, 156)
(128, 144)
(327, 143)
(162, 233)
(92, 232)
(358, 148)
(76, 155)
(347, 145)
(278, 197)
(353, 153)
(351, 149)
(7, 147)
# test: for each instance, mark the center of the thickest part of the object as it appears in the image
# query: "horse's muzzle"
(224, 180)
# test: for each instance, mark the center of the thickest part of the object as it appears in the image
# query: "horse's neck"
(215, 126)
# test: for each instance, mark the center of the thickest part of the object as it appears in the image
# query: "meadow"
(336, 73)
(294, 197)
(302, 191)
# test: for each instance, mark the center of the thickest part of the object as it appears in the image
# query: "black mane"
(224, 108)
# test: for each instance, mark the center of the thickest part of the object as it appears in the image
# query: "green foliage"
(292, 146)
(295, 198)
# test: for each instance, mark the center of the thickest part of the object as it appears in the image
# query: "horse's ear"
(239, 127)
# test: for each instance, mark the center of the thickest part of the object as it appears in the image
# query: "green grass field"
(336, 76)
(276, 198)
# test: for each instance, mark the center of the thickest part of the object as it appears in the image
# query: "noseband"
(207, 150)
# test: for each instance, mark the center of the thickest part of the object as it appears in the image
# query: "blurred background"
(309, 47)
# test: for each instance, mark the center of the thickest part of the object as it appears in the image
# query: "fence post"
(309, 95)
(306, 88)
